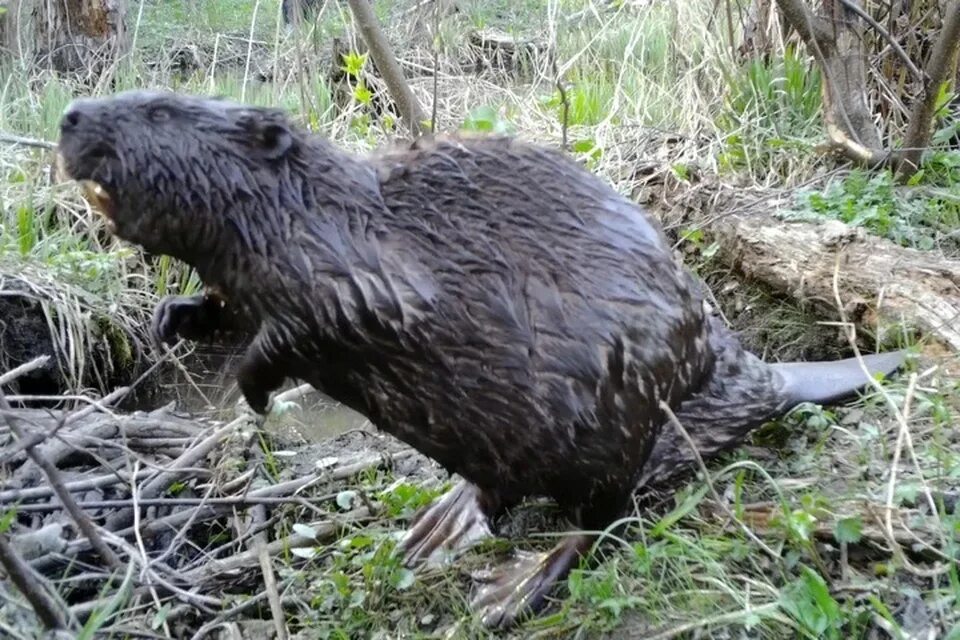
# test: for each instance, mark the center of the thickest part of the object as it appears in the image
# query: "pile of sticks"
(106, 518)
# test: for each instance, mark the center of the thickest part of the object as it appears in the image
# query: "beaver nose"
(74, 115)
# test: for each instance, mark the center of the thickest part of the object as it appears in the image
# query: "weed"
(875, 201)
(771, 113)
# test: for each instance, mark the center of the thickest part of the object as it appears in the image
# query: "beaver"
(486, 300)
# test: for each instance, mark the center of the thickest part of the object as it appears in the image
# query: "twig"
(855, 8)
(706, 475)
(75, 486)
(258, 517)
(436, 64)
(233, 612)
(247, 559)
(56, 482)
(179, 466)
(564, 103)
(34, 587)
(941, 65)
(258, 544)
(901, 417)
(94, 405)
(386, 63)
(27, 142)
(24, 369)
(238, 501)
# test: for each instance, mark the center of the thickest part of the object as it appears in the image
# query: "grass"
(815, 483)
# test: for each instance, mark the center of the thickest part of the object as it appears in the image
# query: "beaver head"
(144, 159)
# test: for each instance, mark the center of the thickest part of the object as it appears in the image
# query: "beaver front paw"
(197, 317)
(175, 314)
(260, 375)
(257, 397)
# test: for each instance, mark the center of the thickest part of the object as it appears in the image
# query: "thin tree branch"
(855, 8)
(56, 482)
(564, 102)
(387, 64)
(943, 61)
(27, 142)
(34, 587)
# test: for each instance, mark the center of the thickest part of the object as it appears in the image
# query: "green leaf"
(482, 118)
(362, 94)
(353, 63)
(688, 505)
(808, 601)
(849, 530)
(7, 519)
(160, 616)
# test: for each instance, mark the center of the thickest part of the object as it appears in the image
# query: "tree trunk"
(79, 36)
(834, 40)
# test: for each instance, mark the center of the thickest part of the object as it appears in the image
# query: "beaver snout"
(79, 113)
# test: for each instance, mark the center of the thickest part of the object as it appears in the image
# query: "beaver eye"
(159, 114)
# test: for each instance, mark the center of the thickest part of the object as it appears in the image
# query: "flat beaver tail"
(829, 382)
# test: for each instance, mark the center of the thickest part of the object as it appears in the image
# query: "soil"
(24, 336)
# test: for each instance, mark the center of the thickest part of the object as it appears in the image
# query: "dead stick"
(34, 587)
(179, 466)
(247, 559)
(76, 486)
(56, 482)
(239, 501)
(27, 142)
(24, 369)
(258, 517)
(111, 398)
(176, 520)
(230, 614)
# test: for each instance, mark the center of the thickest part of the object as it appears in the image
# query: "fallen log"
(883, 287)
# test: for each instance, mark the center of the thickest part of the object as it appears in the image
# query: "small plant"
(771, 111)
(808, 601)
(486, 119)
(874, 201)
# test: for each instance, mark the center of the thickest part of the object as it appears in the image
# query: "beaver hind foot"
(518, 587)
(445, 529)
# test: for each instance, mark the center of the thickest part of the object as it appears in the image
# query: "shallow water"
(211, 389)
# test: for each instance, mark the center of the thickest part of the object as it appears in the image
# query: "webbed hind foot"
(518, 587)
(445, 529)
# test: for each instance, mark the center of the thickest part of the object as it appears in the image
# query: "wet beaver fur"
(487, 301)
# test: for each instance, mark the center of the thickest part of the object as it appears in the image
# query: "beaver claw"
(518, 587)
(445, 529)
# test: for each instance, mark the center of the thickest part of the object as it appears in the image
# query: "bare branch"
(857, 9)
(940, 68)
(27, 142)
(387, 64)
(56, 482)
(34, 587)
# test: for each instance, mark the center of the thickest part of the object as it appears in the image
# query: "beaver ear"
(274, 140)
(270, 135)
